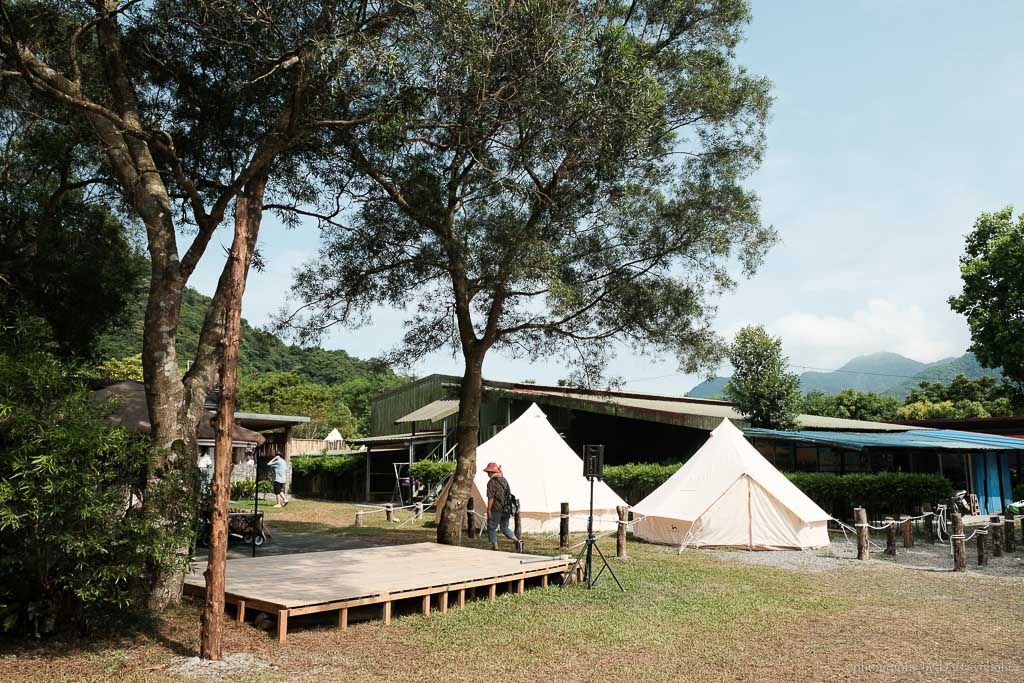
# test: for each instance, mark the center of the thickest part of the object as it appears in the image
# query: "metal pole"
(255, 500)
(587, 570)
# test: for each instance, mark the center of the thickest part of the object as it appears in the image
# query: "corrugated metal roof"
(946, 439)
(399, 438)
(434, 411)
(702, 408)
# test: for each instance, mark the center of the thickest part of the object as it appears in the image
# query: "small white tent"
(543, 472)
(728, 495)
(335, 435)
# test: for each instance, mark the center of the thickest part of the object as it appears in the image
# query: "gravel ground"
(924, 557)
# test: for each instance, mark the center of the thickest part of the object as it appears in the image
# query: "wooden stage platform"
(338, 580)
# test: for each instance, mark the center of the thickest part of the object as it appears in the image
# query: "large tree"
(992, 270)
(198, 111)
(562, 177)
(761, 386)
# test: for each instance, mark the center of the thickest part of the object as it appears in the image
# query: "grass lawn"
(695, 616)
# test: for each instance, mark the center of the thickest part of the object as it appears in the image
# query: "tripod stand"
(589, 546)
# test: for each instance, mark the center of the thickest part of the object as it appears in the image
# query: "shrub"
(75, 553)
(431, 472)
(332, 477)
(884, 493)
(243, 488)
(635, 481)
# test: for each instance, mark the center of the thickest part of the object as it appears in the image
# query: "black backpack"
(510, 506)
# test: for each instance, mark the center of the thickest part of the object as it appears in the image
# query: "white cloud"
(828, 341)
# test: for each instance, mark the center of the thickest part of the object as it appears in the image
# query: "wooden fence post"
(389, 512)
(959, 546)
(470, 517)
(890, 536)
(359, 519)
(620, 535)
(419, 510)
(996, 532)
(1008, 531)
(563, 527)
(982, 547)
(908, 531)
(929, 523)
(860, 521)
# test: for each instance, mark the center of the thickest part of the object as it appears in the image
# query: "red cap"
(492, 467)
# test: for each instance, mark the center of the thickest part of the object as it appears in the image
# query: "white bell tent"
(543, 472)
(728, 495)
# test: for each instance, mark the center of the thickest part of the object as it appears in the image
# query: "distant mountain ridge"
(883, 373)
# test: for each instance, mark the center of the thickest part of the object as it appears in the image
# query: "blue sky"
(895, 124)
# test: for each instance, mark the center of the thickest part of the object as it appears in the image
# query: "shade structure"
(728, 495)
(543, 472)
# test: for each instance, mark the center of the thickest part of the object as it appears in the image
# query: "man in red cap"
(500, 505)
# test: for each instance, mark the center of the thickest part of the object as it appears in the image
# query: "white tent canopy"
(728, 495)
(335, 435)
(543, 472)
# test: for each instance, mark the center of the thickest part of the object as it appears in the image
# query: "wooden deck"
(335, 581)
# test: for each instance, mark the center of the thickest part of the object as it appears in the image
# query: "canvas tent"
(728, 495)
(543, 472)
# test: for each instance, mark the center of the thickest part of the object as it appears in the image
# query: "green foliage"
(635, 481)
(75, 552)
(962, 397)
(852, 404)
(884, 493)
(128, 368)
(431, 472)
(333, 477)
(992, 270)
(64, 256)
(761, 385)
(244, 488)
(926, 410)
(285, 393)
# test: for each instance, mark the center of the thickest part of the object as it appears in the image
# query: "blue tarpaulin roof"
(917, 438)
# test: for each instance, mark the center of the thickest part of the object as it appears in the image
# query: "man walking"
(280, 467)
(500, 505)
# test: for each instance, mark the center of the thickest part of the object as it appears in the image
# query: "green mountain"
(884, 373)
(261, 352)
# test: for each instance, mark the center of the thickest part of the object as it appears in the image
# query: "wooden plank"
(343, 618)
(282, 626)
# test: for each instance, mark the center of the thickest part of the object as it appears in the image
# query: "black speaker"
(593, 461)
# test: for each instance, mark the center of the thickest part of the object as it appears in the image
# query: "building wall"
(402, 401)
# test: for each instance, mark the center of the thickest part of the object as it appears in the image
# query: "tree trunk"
(449, 529)
(248, 210)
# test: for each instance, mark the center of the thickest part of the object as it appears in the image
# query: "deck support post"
(241, 611)
(462, 597)
(492, 592)
(387, 613)
(544, 581)
(343, 617)
(521, 586)
(426, 605)
(442, 602)
(282, 626)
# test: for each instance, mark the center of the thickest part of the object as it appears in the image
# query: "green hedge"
(431, 472)
(331, 477)
(885, 493)
(635, 481)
